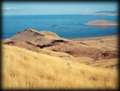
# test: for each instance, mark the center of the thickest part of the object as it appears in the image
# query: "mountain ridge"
(33, 39)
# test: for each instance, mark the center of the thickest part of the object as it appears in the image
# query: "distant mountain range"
(106, 13)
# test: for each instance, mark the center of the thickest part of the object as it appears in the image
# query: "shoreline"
(81, 38)
(96, 37)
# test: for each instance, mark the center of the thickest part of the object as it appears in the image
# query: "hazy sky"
(17, 8)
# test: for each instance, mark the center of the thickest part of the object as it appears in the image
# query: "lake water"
(68, 26)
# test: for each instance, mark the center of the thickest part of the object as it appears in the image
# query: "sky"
(47, 8)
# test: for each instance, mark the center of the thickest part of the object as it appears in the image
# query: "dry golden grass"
(107, 63)
(104, 63)
(27, 69)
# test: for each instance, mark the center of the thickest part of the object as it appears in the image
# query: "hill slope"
(97, 49)
(23, 68)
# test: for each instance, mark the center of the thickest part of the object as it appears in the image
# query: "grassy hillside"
(27, 69)
(103, 63)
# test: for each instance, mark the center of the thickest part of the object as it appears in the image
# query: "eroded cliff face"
(97, 49)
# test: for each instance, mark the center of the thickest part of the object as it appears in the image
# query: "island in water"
(101, 23)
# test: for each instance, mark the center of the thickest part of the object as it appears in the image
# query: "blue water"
(68, 26)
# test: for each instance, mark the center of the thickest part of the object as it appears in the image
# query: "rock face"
(34, 40)
(101, 23)
(32, 37)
